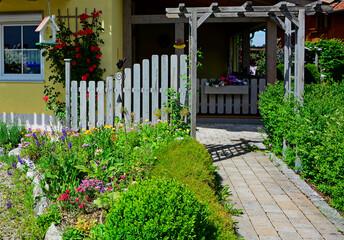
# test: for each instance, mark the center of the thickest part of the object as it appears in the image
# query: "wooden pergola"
(288, 16)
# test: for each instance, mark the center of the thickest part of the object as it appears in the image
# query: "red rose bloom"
(73, 63)
(88, 31)
(98, 56)
(80, 32)
(67, 191)
(84, 78)
(75, 34)
(81, 205)
(78, 55)
(77, 49)
(87, 75)
(90, 69)
(77, 44)
(88, 60)
(77, 200)
(93, 48)
(94, 66)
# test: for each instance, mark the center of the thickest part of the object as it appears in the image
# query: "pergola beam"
(213, 8)
(277, 20)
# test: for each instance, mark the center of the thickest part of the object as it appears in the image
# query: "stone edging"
(316, 199)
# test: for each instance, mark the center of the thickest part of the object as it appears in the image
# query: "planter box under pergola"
(226, 90)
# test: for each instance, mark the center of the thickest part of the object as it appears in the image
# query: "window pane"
(30, 37)
(12, 37)
(13, 61)
(32, 61)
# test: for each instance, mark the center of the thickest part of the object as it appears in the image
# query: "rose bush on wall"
(83, 48)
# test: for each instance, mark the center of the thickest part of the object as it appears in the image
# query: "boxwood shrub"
(315, 131)
(156, 209)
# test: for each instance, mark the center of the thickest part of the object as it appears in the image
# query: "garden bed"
(85, 176)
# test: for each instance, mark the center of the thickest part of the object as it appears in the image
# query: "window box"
(232, 89)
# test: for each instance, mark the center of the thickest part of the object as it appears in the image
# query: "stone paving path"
(274, 208)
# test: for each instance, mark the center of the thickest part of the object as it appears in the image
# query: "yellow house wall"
(27, 98)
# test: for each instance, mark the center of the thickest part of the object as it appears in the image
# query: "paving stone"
(270, 197)
(289, 235)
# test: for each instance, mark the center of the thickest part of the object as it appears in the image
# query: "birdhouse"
(46, 27)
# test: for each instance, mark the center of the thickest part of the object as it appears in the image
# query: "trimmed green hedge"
(316, 130)
(190, 163)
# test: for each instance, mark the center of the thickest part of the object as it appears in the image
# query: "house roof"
(158, 6)
(339, 6)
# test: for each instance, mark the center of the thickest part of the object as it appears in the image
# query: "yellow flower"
(83, 129)
(144, 138)
(5, 197)
(165, 121)
(113, 129)
(87, 132)
(147, 120)
(187, 130)
(141, 124)
(121, 125)
(179, 129)
(25, 127)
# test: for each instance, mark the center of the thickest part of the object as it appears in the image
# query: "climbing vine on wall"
(83, 49)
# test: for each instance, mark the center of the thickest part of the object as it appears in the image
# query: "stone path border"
(273, 205)
(316, 199)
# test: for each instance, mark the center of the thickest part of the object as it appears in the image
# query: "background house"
(21, 88)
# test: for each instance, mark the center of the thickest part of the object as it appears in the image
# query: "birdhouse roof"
(45, 21)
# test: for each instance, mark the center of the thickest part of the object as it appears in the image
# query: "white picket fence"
(143, 91)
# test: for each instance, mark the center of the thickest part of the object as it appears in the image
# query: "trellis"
(292, 14)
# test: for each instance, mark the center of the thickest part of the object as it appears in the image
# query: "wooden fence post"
(67, 85)
(109, 101)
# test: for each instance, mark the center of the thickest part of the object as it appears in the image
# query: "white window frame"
(19, 20)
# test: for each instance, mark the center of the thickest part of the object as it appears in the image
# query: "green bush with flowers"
(82, 48)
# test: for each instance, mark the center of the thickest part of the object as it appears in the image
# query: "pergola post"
(287, 58)
(300, 63)
(179, 35)
(127, 33)
(246, 51)
(271, 51)
(193, 69)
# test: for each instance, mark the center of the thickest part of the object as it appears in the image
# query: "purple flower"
(70, 144)
(85, 145)
(37, 143)
(64, 132)
(34, 136)
(14, 165)
(9, 173)
(20, 160)
(63, 138)
(9, 204)
(43, 143)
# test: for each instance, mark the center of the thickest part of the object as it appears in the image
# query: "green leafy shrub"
(338, 72)
(156, 209)
(188, 162)
(4, 135)
(10, 134)
(280, 72)
(331, 54)
(316, 131)
(312, 74)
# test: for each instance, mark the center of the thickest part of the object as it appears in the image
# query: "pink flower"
(45, 98)
(81, 205)
(67, 191)
(111, 178)
(76, 200)
(87, 197)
